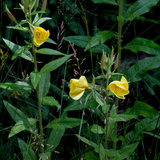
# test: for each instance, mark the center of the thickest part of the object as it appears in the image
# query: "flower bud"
(37, 3)
(44, 5)
(116, 63)
(10, 15)
(26, 6)
(103, 60)
(112, 54)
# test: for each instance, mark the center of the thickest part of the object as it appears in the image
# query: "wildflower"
(40, 36)
(119, 88)
(78, 87)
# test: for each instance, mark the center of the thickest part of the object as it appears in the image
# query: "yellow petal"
(82, 83)
(76, 96)
(40, 36)
(123, 79)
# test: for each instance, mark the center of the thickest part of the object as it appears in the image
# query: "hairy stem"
(119, 61)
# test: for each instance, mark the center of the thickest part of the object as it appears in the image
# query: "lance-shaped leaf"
(27, 152)
(96, 129)
(14, 112)
(44, 84)
(138, 8)
(50, 101)
(147, 124)
(48, 51)
(137, 71)
(145, 45)
(40, 21)
(127, 150)
(82, 41)
(143, 109)
(113, 2)
(54, 64)
(20, 126)
(18, 51)
(100, 38)
(49, 40)
(54, 139)
(35, 78)
(64, 123)
(18, 86)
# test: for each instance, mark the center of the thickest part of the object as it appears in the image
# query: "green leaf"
(98, 98)
(50, 101)
(35, 78)
(143, 109)
(24, 29)
(40, 21)
(14, 112)
(96, 129)
(82, 41)
(20, 126)
(138, 8)
(122, 117)
(137, 71)
(64, 123)
(44, 85)
(54, 64)
(113, 2)
(19, 51)
(48, 51)
(90, 143)
(100, 38)
(147, 124)
(127, 150)
(45, 156)
(27, 152)
(18, 86)
(144, 45)
(54, 139)
(152, 134)
(50, 41)
(89, 156)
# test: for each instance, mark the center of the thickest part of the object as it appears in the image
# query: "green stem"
(119, 62)
(38, 98)
(106, 137)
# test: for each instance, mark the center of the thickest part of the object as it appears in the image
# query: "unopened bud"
(103, 60)
(26, 6)
(112, 54)
(10, 15)
(116, 63)
(44, 5)
(36, 4)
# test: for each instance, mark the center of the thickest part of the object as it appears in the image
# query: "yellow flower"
(40, 36)
(119, 88)
(78, 87)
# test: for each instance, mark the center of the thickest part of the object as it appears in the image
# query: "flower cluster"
(78, 86)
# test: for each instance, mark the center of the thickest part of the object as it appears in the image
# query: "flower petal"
(82, 83)
(76, 96)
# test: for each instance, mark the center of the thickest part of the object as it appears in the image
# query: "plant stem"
(38, 98)
(106, 137)
(119, 62)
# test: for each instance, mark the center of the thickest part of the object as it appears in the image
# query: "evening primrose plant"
(39, 146)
